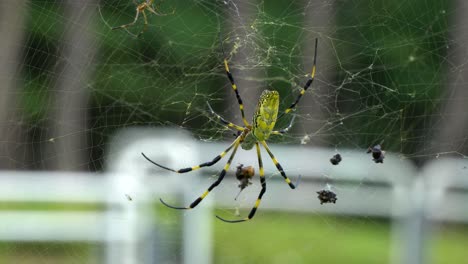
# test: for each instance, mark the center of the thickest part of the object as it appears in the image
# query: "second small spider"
(250, 135)
(141, 8)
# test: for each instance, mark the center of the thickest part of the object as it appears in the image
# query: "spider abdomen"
(265, 116)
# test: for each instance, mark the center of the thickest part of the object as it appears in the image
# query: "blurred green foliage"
(404, 44)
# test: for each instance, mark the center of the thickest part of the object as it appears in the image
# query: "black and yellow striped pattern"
(224, 121)
(263, 123)
(234, 87)
(265, 116)
(278, 166)
(308, 83)
(216, 183)
(205, 164)
(262, 192)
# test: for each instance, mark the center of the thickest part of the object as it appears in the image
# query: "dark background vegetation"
(388, 59)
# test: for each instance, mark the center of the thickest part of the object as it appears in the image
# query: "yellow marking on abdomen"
(265, 115)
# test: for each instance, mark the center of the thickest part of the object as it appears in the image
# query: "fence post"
(175, 149)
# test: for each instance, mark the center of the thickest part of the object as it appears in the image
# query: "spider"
(140, 8)
(250, 135)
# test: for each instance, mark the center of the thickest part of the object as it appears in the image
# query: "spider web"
(383, 72)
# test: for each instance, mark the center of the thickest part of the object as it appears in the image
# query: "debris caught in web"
(244, 175)
(128, 197)
(326, 196)
(305, 139)
(336, 159)
(378, 154)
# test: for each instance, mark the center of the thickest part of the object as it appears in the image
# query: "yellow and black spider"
(140, 8)
(259, 131)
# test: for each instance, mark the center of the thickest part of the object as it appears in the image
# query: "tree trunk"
(319, 18)
(452, 124)
(241, 14)
(67, 146)
(12, 23)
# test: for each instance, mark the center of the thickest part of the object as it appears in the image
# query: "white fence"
(130, 185)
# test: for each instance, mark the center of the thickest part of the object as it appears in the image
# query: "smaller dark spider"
(326, 196)
(378, 154)
(244, 174)
(335, 160)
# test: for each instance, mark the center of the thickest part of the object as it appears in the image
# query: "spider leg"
(216, 183)
(307, 85)
(278, 166)
(262, 192)
(224, 121)
(145, 23)
(129, 24)
(151, 9)
(234, 87)
(205, 164)
(284, 130)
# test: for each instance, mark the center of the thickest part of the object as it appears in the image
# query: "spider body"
(265, 115)
(248, 136)
(248, 141)
(141, 7)
(264, 120)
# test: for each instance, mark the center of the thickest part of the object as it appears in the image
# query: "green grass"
(311, 238)
(449, 244)
(271, 238)
(298, 238)
(48, 253)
